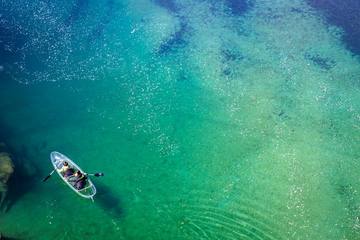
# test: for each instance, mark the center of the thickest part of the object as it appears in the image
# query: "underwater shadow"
(5, 131)
(108, 201)
(7, 238)
(24, 178)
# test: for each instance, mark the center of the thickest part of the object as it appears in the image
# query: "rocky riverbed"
(6, 170)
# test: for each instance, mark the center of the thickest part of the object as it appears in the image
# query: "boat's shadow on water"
(108, 201)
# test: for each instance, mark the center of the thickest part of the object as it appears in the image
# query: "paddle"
(48, 176)
(90, 174)
(95, 174)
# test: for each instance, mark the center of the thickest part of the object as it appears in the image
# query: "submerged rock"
(176, 40)
(6, 169)
(239, 7)
(322, 62)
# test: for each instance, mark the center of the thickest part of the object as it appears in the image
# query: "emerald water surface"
(210, 119)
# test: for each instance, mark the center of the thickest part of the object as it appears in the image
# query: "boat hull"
(57, 160)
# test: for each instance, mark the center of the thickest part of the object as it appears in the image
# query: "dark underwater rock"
(175, 41)
(322, 62)
(170, 5)
(226, 71)
(6, 170)
(230, 58)
(231, 55)
(239, 7)
(26, 176)
(178, 38)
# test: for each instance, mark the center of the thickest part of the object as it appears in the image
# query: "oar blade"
(99, 174)
(46, 178)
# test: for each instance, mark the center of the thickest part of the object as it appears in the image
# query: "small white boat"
(58, 159)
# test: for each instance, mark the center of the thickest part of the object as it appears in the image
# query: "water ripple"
(206, 219)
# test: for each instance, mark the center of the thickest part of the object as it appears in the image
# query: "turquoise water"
(210, 119)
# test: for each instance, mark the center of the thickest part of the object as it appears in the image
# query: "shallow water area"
(210, 119)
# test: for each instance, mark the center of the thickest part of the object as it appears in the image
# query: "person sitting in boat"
(80, 180)
(66, 170)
